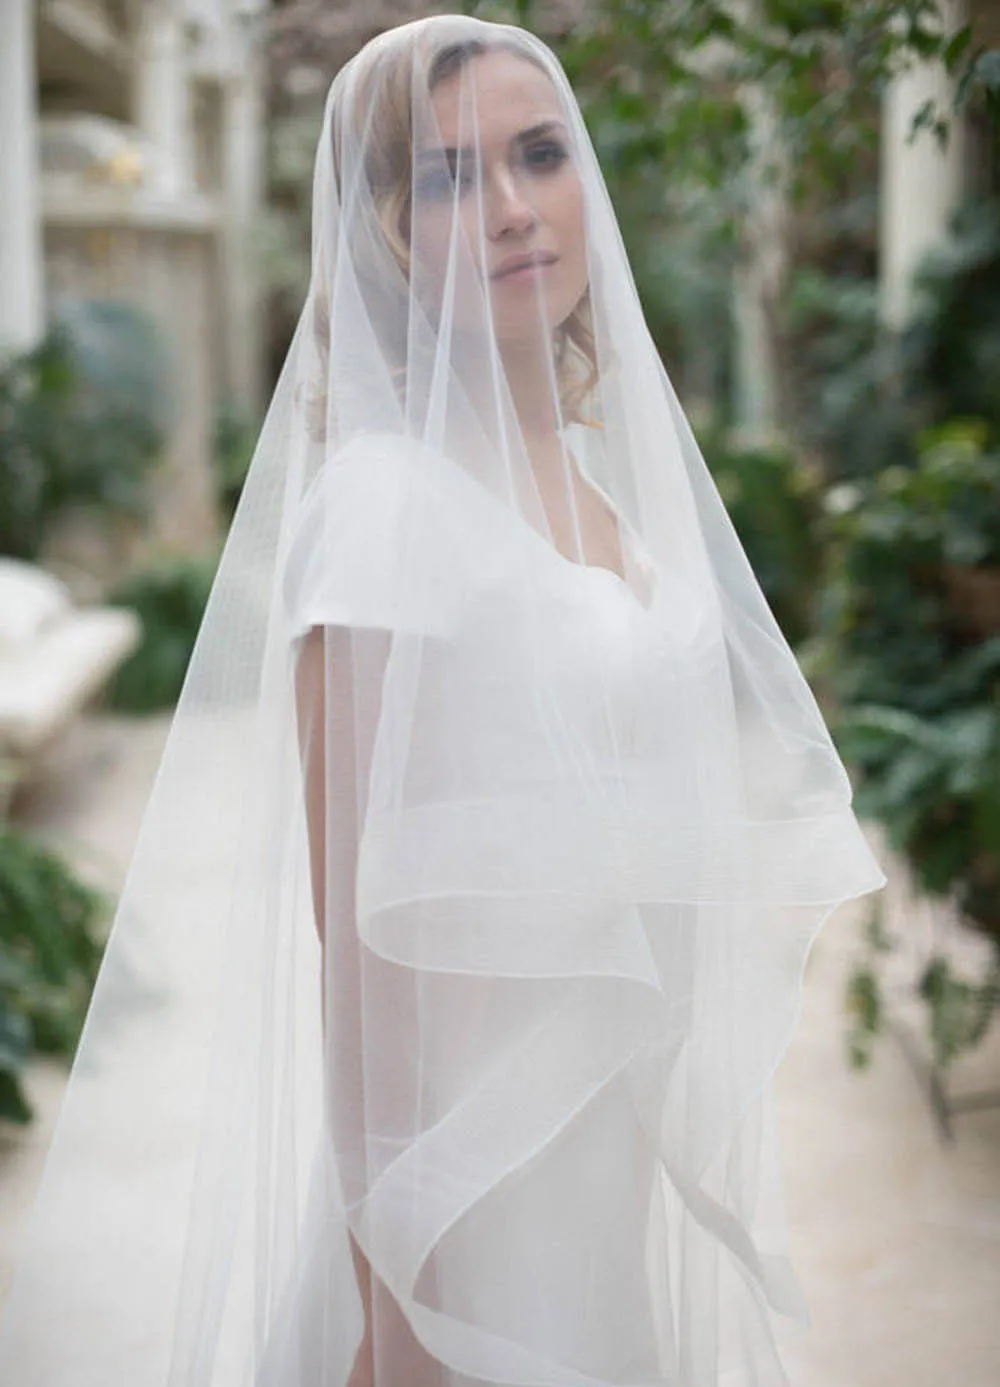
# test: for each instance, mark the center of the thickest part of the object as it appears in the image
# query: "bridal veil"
(467, 921)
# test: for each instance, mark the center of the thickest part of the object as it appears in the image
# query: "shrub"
(234, 438)
(170, 600)
(774, 501)
(917, 675)
(49, 956)
(865, 395)
(83, 417)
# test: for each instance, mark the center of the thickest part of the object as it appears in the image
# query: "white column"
(243, 176)
(760, 275)
(920, 183)
(162, 93)
(21, 293)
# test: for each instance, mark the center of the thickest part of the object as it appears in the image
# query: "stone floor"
(895, 1231)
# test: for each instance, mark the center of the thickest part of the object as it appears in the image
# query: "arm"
(314, 653)
(335, 726)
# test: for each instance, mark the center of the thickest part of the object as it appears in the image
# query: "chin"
(524, 327)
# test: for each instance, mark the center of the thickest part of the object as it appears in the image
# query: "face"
(515, 190)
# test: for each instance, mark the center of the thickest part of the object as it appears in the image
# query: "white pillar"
(920, 183)
(243, 177)
(754, 402)
(22, 316)
(760, 275)
(162, 93)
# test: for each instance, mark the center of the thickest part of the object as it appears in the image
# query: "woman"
(466, 928)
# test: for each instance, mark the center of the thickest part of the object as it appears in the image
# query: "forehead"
(510, 92)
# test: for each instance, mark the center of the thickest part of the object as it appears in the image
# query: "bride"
(435, 1037)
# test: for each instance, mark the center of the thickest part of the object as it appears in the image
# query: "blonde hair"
(388, 143)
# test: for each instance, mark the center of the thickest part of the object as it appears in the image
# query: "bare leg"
(363, 1373)
(389, 1355)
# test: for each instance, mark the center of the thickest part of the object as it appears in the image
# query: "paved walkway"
(895, 1234)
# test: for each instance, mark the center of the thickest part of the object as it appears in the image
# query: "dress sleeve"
(376, 543)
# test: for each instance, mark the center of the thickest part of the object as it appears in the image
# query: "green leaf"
(956, 47)
(14, 1105)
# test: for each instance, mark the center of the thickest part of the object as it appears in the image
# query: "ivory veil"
(435, 1037)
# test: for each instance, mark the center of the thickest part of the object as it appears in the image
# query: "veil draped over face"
(466, 926)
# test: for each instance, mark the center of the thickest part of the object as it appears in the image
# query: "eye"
(437, 182)
(546, 154)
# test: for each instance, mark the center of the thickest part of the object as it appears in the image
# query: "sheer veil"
(465, 930)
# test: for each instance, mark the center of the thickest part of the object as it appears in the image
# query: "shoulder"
(384, 478)
(379, 538)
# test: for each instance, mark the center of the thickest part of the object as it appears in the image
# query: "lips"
(527, 261)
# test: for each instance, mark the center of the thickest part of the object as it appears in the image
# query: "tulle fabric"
(466, 926)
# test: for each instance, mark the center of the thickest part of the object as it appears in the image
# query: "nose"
(508, 211)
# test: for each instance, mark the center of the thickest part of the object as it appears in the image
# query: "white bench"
(54, 657)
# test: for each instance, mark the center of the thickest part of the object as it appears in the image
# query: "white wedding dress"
(520, 1187)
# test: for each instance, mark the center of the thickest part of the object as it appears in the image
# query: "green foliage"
(681, 97)
(980, 77)
(950, 353)
(235, 435)
(960, 1011)
(864, 395)
(774, 501)
(170, 600)
(920, 694)
(49, 957)
(284, 233)
(934, 783)
(682, 257)
(911, 423)
(864, 993)
(844, 370)
(670, 85)
(82, 420)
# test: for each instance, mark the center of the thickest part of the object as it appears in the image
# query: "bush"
(917, 674)
(83, 418)
(170, 601)
(920, 690)
(49, 957)
(950, 359)
(234, 438)
(774, 502)
(844, 370)
(865, 394)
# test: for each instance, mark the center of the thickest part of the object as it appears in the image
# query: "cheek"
(432, 239)
(436, 242)
(433, 250)
(567, 220)
(564, 216)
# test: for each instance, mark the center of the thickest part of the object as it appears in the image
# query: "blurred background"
(809, 191)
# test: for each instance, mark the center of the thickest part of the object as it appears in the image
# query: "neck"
(528, 376)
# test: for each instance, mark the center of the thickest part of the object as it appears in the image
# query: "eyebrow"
(522, 137)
